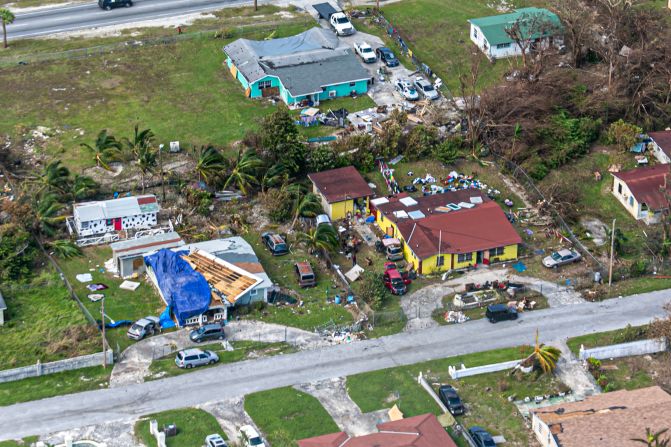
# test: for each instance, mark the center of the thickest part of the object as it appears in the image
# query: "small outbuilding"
(109, 216)
(342, 191)
(128, 255)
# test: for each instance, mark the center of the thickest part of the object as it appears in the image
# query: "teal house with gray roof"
(538, 27)
(314, 66)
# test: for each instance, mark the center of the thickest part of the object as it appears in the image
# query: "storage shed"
(128, 255)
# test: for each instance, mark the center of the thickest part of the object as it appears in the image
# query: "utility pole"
(160, 162)
(102, 313)
(612, 249)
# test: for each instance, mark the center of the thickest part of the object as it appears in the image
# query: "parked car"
(366, 52)
(387, 56)
(109, 4)
(392, 249)
(407, 90)
(426, 89)
(215, 440)
(394, 282)
(275, 243)
(481, 437)
(144, 327)
(189, 358)
(500, 312)
(448, 396)
(561, 257)
(306, 276)
(208, 332)
(250, 437)
(323, 219)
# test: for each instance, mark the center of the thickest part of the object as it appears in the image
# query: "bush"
(594, 365)
(449, 150)
(630, 333)
(638, 268)
(371, 289)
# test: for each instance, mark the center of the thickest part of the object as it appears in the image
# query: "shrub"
(602, 381)
(639, 268)
(629, 334)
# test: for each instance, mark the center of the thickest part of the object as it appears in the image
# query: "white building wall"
(659, 154)
(623, 194)
(140, 221)
(542, 432)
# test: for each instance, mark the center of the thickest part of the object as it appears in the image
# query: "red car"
(395, 282)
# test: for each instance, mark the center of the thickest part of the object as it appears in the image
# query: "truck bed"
(325, 10)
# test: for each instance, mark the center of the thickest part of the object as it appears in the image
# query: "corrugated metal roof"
(530, 19)
(111, 209)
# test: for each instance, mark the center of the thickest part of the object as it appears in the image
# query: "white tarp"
(129, 285)
(379, 201)
(354, 273)
(401, 214)
(408, 201)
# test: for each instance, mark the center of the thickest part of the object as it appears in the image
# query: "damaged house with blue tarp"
(201, 281)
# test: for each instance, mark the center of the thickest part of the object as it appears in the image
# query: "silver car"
(426, 89)
(561, 257)
(189, 358)
(144, 327)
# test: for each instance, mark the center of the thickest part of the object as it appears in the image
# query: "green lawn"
(627, 373)
(624, 335)
(297, 414)
(23, 443)
(119, 304)
(193, 426)
(165, 367)
(315, 311)
(68, 382)
(43, 323)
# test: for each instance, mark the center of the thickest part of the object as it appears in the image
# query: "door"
(117, 224)
(478, 257)
(137, 264)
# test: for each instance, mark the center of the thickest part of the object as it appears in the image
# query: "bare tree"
(577, 19)
(531, 31)
(468, 88)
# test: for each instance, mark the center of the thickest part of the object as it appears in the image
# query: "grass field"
(23, 443)
(119, 304)
(192, 427)
(43, 323)
(287, 410)
(68, 382)
(243, 350)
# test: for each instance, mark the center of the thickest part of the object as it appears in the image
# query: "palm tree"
(82, 187)
(545, 357)
(54, 178)
(7, 17)
(322, 238)
(47, 208)
(275, 175)
(146, 162)
(141, 139)
(104, 147)
(306, 205)
(65, 249)
(243, 174)
(210, 163)
(654, 439)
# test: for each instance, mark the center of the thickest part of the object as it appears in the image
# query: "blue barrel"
(337, 299)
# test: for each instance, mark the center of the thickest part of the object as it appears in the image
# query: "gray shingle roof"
(304, 63)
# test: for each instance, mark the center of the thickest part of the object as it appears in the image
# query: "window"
(332, 93)
(475, 33)
(619, 188)
(265, 84)
(631, 201)
(440, 261)
(497, 251)
(503, 45)
(465, 257)
(352, 84)
(108, 222)
(85, 225)
(253, 292)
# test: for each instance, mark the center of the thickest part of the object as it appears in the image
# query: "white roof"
(400, 214)
(379, 201)
(111, 209)
(476, 200)
(408, 201)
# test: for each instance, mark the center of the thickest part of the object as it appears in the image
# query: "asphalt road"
(232, 380)
(89, 15)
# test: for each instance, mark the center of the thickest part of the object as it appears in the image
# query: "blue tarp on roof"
(185, 290)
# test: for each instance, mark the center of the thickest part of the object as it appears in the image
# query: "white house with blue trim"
(313, 65)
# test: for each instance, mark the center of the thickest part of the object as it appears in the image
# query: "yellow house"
(640, 191)
(343, 192)
(449, 231)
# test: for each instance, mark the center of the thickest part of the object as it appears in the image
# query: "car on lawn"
(275, 243)
(190, 358)
(426, 89)
(387, 56)
(394, 281)
(107, 5)
(144, 327)
(365, 52)
(250, 437)
(215, 440)
(481, 437)
(500, 312)
(407, 90)
(450, 398)
(561, 257)
(305, 274)
(208, 332)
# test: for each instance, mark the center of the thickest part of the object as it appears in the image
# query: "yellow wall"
(339, 210)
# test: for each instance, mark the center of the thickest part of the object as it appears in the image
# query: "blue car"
(387, 56)
(481, 437)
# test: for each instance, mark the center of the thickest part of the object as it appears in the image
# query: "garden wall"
(641, 347)
(43, 369)
(494, 367)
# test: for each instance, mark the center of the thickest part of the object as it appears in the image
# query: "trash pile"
(455, 316)
(456, 182)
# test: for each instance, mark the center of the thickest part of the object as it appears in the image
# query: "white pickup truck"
(365, 52)
(337, 19)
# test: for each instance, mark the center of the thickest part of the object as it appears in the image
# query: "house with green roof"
(536, 27)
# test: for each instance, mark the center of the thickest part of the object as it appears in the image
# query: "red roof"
(428, 204)
(480, 228)
(663, 140)
(341, 184)
(646, 183)
(417, 431)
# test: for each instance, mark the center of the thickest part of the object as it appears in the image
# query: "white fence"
(43, 369)
(484, 369)
(641, 347)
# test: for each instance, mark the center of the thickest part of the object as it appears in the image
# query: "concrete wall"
(641, 347)
(43, 369)
(494, 367)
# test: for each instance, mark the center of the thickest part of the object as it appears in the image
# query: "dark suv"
(109, 4)
(500, 312)
(451, 399)
(208, 332)
(275, 243)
